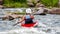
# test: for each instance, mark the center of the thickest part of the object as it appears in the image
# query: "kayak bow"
(29, 25)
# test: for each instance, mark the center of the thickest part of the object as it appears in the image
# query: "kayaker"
(28, 18)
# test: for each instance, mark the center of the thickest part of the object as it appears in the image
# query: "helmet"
(28, 10)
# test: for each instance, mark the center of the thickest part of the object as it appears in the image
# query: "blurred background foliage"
(23, 3)
(50, 3)
(15, 3)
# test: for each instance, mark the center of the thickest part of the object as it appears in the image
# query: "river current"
(48, 24)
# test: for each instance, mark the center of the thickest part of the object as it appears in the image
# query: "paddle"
(16, 23)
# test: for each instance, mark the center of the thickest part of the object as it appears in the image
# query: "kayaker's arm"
(32, 17)
(22, 19)
(19, 21)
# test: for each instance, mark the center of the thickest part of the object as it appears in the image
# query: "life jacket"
(28, 19)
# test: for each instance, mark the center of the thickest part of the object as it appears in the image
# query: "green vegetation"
(15, 3)
(23, 3)
(50, 3)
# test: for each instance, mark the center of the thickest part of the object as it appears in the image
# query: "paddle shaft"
(16, 23)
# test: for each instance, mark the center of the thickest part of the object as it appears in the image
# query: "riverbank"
(54, 11)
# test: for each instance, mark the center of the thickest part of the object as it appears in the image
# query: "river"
(48, 24)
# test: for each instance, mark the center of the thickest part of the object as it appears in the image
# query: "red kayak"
(29, 25)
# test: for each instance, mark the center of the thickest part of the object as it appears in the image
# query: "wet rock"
(45, 11)
(29, 0)
(40, 5)
(41, 10)
(8, 18)
(55, 11)
(40, 14)
(4, 18)
(1, 2)
(37, 1)
(1, 6)
(11, 18)
(33, 0)
(30, 4)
